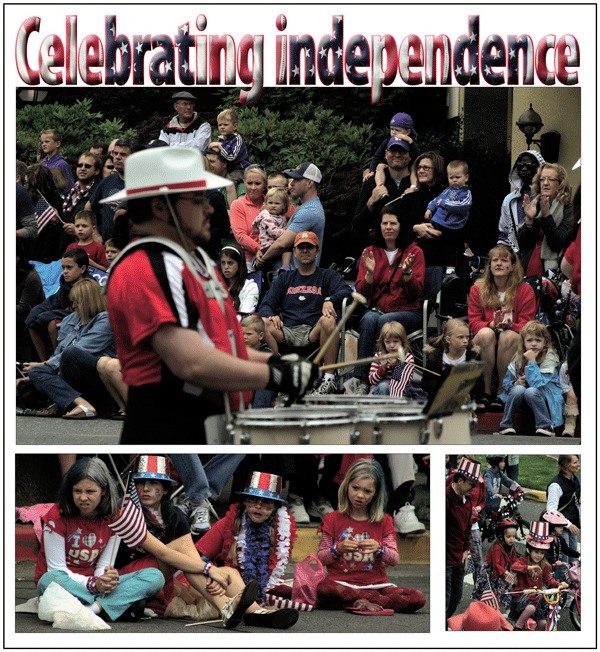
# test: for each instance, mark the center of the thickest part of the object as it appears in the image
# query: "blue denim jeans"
(536, 401)
(381, 389)
(202, 482)
(370, 327)
(132, 587)
(454, 588)
(433, 282)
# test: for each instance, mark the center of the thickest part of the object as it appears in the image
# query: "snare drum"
(293, 425)
(456, 428)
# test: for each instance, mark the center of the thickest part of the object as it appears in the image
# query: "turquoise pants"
(132, 587)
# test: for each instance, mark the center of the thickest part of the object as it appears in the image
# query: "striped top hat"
(469, 469)
(153, 467)
(264, 485)
(539, 535)
(165, 171)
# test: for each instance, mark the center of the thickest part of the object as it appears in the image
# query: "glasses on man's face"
(424, 167)
(87, 166)
(549, 179)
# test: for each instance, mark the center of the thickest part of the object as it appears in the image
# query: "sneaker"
(297, 510)
(508, 431)
(199, 518)
(361, 390)
(406, 522)
(184, 505)
(325, 386)
(545, 432)
(318, 510)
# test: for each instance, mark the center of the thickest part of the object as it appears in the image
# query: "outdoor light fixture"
(30, 95)
(530, 122)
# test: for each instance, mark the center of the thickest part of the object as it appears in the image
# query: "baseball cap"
(397, 142)
(305, 171)
(306, 237)
(403, 120)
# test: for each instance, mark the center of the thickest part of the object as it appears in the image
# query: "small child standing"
(401, 127)
(254, 330)
(571, 407)
(559, 549)
(85, 225)
(532, 376)
(532, 571)
(494, 478)
(272, 221)
(392, 339)
(496, 574)
(449, 212)
(231, 145)
(358, 540)
(243, 290)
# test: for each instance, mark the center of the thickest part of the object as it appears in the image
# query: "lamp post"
(529, 123)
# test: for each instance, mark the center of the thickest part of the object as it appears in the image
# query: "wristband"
(91, 585)
(380, 552)
(207, 568)
(334, 552)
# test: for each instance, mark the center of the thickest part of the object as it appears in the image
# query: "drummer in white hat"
(180, 346)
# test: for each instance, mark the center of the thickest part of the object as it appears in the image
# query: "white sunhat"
(165, 171)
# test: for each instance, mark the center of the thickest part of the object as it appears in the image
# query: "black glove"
(291, 375)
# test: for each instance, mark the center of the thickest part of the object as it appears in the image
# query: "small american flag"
(44, 213)
(130, 523)
(489, 597)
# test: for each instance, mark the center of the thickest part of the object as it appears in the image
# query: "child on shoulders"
(231, 145)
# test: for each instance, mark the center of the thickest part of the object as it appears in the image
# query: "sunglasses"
(525, 166)
(87, 166)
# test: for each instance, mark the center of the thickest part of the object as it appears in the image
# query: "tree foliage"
(79, 124)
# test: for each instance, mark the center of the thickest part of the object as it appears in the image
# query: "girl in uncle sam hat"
(358, 540)
(533, 571)
(254, 542)
(232, 596)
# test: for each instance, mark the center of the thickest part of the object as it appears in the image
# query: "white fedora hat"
(164, 171)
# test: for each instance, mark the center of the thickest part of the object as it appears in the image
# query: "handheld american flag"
(44, 213)
(489, 597)
(130, 524)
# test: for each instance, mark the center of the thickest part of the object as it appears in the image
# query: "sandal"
(80, 412)
(483, 403)
(363, 607)
(278, 619)
(118, 416)
(232, 616)
(51, 411)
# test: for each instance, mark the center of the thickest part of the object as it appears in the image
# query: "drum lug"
(355, 436)
(473, 424)
(304, 438)
(229, 428)
(245, 438)
(377, 435)
(424, 434)
(438, 428)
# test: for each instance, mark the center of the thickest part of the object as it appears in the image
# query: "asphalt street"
(104, 432)
(317, 621)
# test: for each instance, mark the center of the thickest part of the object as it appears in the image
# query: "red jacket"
(540, 580)
(458, 526)
(390, 290)
(499, 560)
(523, 309)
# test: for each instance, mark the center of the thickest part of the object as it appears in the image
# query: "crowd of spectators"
(409, 220)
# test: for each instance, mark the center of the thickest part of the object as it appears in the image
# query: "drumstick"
(379, 358)
(356, 299)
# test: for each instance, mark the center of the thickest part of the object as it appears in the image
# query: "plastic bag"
(307, 576)
(64, 611)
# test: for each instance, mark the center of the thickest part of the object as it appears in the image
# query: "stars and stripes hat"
(153, 467)
(539, 535)
(264, 485)
(165, 171)
(469, 469)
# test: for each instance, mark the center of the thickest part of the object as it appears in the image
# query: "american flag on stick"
(44, 213)
(489, 597)
(130, 523)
